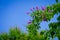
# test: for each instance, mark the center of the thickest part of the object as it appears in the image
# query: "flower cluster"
(36, 8)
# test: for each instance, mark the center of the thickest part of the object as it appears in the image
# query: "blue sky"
(13, 13)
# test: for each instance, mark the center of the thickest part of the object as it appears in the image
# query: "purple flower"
(37, 8)
(45, 19)
(43, 8)
(31, 9)
(29, 22)
(28, 12)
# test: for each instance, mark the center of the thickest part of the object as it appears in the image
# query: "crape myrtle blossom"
(43, 8)
(28, 13)
(32, 9)
(37, 8)
(29, 22)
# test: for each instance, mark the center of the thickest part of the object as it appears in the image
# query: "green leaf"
(58, 18)
(56, 0)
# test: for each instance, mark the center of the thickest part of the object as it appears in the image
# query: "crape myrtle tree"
(38, 15)
(44, 15)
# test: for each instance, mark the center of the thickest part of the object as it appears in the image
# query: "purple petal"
(43, 8)
(37, 8)
(31, 9)
(28, 12)
(29, 22)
